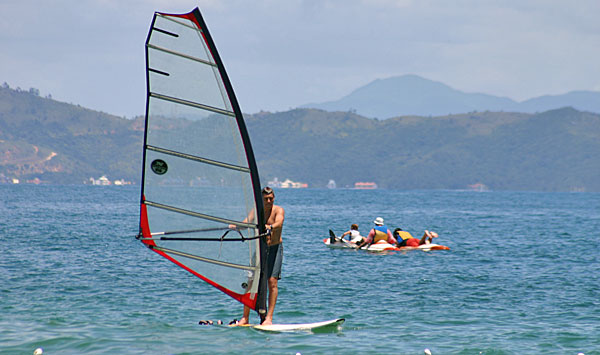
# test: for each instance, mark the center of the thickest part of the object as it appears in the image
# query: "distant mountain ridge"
(59, 143)
(414, 95)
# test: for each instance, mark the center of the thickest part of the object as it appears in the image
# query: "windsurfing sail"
(201, 203)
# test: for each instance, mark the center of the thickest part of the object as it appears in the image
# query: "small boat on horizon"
(365, 185)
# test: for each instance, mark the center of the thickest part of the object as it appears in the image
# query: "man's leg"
(245, 317)
(273, 291)
(424, 238)
(428, 237)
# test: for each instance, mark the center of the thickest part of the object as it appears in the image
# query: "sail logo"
(159, 166)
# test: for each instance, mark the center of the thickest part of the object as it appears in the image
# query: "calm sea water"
(522, 277)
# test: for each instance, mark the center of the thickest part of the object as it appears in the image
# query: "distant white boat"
(102, 181)
(365, 185)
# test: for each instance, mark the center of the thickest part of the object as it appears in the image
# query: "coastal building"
(286, 184)
(274, 183)
(7, 180)
(104, 181)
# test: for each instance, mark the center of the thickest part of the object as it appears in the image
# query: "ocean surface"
(522, 277)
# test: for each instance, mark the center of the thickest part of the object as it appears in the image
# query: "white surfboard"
(380, 246)
(339, 244)
(296, 327)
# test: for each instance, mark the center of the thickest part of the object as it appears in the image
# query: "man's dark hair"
(267, 191)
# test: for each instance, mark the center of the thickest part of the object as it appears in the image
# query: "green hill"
(58, 142)
(552, 151)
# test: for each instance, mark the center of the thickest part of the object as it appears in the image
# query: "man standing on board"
(274, 216)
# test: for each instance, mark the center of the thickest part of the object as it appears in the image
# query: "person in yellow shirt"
(379, 232)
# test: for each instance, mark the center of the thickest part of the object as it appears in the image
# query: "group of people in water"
(380, 232)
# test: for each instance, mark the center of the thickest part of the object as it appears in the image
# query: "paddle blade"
(332, 237)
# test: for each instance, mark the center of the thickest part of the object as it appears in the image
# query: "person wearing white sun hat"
(379, 232)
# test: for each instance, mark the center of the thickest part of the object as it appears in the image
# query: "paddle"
(333, 239)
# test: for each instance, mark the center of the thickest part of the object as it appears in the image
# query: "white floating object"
(38, 351)
(427, 352)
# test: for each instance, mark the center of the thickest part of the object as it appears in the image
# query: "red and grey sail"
(201, 204)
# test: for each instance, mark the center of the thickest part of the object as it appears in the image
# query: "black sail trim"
(165, 32)
(159, 71)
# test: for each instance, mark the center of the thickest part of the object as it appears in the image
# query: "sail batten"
(199, 159)
(191, 103)
(200, 215)
(212, 261)
(182, 55)
(200, 183)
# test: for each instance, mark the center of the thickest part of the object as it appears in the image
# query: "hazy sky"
(281, 54)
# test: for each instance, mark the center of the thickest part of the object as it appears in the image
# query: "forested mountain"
(63, 143)
(555, 150)
(551, 151)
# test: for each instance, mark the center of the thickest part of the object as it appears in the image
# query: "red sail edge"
(190, 16)
(247, 299)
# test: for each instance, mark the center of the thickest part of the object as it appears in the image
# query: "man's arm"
(391, 238)
(279, 217)
(250, 217)
(367, 240)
